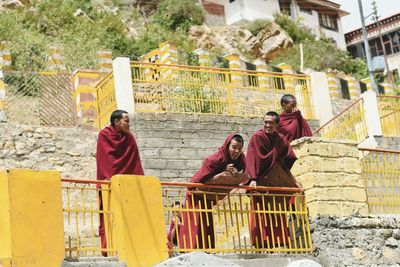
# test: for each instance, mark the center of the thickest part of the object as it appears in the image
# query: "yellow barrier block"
(31, 223)
(139, 230)
(2, 105)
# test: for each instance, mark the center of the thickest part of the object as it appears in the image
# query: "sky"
(351, 22)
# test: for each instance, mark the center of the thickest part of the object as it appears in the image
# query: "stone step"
(95, 262)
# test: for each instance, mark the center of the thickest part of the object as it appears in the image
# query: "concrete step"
(254, 260)
(95, 262)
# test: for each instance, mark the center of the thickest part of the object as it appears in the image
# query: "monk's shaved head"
(273, 114)
(116, 116)
(287, 98)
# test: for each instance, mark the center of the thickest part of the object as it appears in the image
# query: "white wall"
(260, 9)
(233, 11)
(394, 62)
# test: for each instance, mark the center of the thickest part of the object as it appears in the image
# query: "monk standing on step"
(292, 124)
(117, 153)
(266, 148)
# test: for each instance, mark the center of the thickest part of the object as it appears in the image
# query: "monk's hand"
(253, 183)
(231, 168)
(294, 109)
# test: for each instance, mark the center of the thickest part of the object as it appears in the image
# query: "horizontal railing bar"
(85, 181)
(252, 188)
(379, 150)
(225, 70)
(391, 113)
(389, 96)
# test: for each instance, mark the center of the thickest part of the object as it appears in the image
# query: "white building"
(321, 16)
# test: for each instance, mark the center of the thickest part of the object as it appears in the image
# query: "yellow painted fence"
(389, 111)
(210, 221)
(205, 90)
(380, 171)
(348, 124)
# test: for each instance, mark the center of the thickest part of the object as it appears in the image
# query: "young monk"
(292, 125)
(266, 148)
(197, 228)
(117, 153)
(175, 225)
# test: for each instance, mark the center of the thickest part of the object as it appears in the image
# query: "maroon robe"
(117, 153)
(293, 126)
(197, 229)
(264, 150)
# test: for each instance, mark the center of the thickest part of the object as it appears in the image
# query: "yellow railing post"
(229, 93)
(31, 220)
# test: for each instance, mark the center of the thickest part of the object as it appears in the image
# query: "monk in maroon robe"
(117, 153)
(266, 148)
(197, 228)
(292, 125)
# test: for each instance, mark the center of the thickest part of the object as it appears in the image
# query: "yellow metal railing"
(380, 171)
(82, 210)
(268, 220)
(389, 110)
(105, 98)
(193, 89)
(348, 124)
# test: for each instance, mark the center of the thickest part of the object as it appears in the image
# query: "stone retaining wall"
(357, 241)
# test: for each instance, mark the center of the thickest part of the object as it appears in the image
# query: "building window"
(375, 47)
(284, 6)
(396, 41)
(306, 10)
(329, 22)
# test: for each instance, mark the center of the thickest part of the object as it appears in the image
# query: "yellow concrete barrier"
(31, 223)
(139, 230)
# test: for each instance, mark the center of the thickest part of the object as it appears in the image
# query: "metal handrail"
(338, 115)
(380, 150)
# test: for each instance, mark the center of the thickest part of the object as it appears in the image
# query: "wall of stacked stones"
(356, 241)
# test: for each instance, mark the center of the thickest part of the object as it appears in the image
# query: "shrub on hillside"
(174, 14)
(297, 31)
(258, 25)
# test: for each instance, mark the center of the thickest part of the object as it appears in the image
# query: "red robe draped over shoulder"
(265, 150)
(293, 126)
(117, 153)
(197, 229)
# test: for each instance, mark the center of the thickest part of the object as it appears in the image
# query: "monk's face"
(290, 106)
(122, 125)
(235, 149)
(270, 124)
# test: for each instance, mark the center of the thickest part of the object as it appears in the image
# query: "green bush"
(322, 55)
(174, 14)
(258, 25)
(296, 30)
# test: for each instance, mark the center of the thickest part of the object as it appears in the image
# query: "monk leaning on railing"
(197, 229)
(266, 149)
